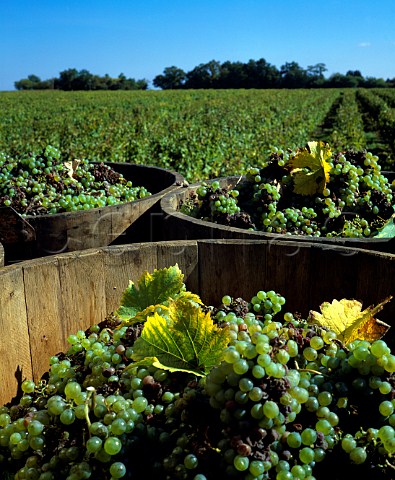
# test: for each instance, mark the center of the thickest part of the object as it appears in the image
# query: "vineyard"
(183, 359)
(199, 133)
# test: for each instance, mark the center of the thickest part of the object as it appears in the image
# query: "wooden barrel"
(179, 226)
(36, 236)
(44, 300)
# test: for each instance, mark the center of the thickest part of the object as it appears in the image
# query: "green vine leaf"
(187, 341)
(388, 230)
(151, 290)
(310, 168)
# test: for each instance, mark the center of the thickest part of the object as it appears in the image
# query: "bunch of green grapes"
(291, 396)
(288, 401)
(42, 184)
(220, 201)
(88, 414)
(356, 202)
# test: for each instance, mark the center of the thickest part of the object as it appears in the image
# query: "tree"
(233, 75)
(67, 79)
(260, 74)
(315, 74)
(372, 82)
(317, 70)
(205, 75)
(354, 73)
(32, 82)
(172, 78)
(293, 76)
(338, 80)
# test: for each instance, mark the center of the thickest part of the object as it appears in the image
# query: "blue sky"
(141, 38)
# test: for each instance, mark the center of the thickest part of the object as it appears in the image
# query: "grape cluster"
(218, 204)
(356, 202)
(290, 395)
(43, 184)
(288, 401)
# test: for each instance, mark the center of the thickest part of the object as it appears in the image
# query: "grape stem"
(91, 392)
(341, 345)
(310, 370)
(389, 464)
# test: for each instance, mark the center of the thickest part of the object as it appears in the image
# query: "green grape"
(324, 398)
(35, 428)
(294, 440)
(140, 404)
(358, 455)
(316, 343)
(112, 445)
(256, 468)
(308, 436)
(28, 386)
(240, 366)
(36, 442)
(5, 419)
(241, 463)
(386, 408)
(226, 300)
(67, 417)
(94, 444)
(118, 426)
(270, 409)
(72, 389)
(191, 461)
(348, 443)
(117, 470)
(298, 471)
(379, 348)
(306, 455)
(385, 388)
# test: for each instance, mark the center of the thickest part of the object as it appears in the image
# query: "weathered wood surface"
(43, 301)
(179, 226)
(1, 255)
(97, 227)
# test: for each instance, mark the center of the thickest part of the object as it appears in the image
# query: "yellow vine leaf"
(310, 168)
(142, 316)
(349, 322)
(71, 167)
(188, 340)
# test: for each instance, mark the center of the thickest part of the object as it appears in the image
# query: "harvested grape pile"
(305, 192)
(256, 394)
(43, 184)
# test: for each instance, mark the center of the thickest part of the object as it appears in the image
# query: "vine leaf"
(142, 316)
(71, 167)
(388, 230)
(349, 322)
(310, 168)
(152, 290)
(187, 341)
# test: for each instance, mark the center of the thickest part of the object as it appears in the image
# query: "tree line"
(72, 79)
(261, 74)
(252, 74)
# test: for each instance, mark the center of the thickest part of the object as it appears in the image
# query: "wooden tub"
(179, 226)
(45, 300)
(36, 236)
